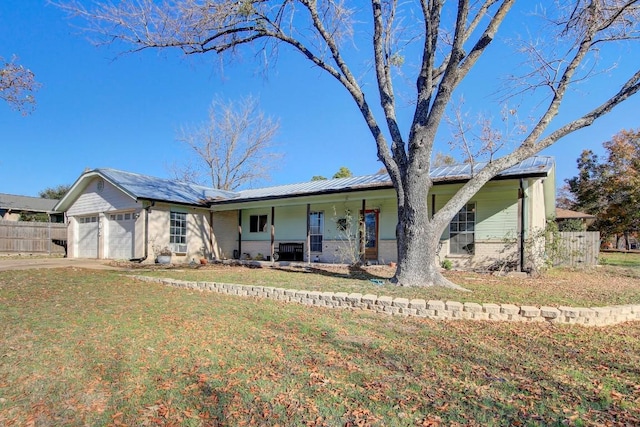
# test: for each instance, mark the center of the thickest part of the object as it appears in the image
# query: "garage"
(120, 235)
(88, 237)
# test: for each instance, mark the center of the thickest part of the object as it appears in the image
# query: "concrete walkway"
(27, 262)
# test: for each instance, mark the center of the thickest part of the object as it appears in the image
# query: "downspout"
(146, 232)
(146, 237)
(522, 224)
(65, 219)
(211, 251)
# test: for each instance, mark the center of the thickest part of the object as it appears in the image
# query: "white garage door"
(121, 241)
(88, 237)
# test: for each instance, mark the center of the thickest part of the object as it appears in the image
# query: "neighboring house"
(563, 215)
(121, 215)
(12, 208)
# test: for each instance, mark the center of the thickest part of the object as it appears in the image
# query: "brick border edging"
(432, 309)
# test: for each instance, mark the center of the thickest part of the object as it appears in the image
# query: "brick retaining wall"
(432, 309)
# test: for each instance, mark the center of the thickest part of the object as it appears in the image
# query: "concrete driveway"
(25, 263)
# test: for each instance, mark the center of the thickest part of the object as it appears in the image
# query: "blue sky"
(98, 109)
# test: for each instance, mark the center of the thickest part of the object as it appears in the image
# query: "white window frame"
(178, 232)
(316, 231)
(462, 231)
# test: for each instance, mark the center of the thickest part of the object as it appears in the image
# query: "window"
(316, 228)
(178, 232)
(257, 223)
(87, 219)
(120, 217)
(462, 231)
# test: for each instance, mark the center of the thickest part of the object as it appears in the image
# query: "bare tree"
(441, 159)
(234, 147)
(479, 138)
(438, 43)
(17, 85)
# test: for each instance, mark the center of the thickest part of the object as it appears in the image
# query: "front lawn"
(599, 286)
(621, 259)
(85, 347)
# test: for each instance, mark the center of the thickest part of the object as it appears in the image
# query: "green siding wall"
(291, 223)
(496, 209)
(247, 235)
(496, 216)
(388, 219)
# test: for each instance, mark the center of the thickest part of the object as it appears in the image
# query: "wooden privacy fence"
(578, 248)
(32, 237)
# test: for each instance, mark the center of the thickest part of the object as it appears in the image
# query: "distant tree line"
(343, 172)
(609, 187)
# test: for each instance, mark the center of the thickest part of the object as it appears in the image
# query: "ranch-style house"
(113, 214)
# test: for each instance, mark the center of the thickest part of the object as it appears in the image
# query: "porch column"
(308, 232)
(239, 233)
(273, 231)
(363, 232)
(433, 205)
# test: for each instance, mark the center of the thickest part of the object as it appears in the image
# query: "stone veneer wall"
(433, 309)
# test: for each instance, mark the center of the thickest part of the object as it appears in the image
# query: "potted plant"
(163, 256)
(203, 257)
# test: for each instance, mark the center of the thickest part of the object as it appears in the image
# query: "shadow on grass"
(354, 272)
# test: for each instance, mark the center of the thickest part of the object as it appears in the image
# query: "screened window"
(178, 232)
(257, 223)
(462, 231)
(316, 228)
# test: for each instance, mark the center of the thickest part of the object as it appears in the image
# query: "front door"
(371, 235)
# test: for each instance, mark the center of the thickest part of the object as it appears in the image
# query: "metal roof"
(151, 188)
(26, 203)
(534, 166)
(146, 187)
(321, 186)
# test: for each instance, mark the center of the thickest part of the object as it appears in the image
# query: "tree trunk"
(417, 240)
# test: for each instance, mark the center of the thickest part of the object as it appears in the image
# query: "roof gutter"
(191, 205)
(388, 186)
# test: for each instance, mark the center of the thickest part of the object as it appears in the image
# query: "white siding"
(108, 199)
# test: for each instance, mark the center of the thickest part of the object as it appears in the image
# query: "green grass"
(98, 348)
(621, 259)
